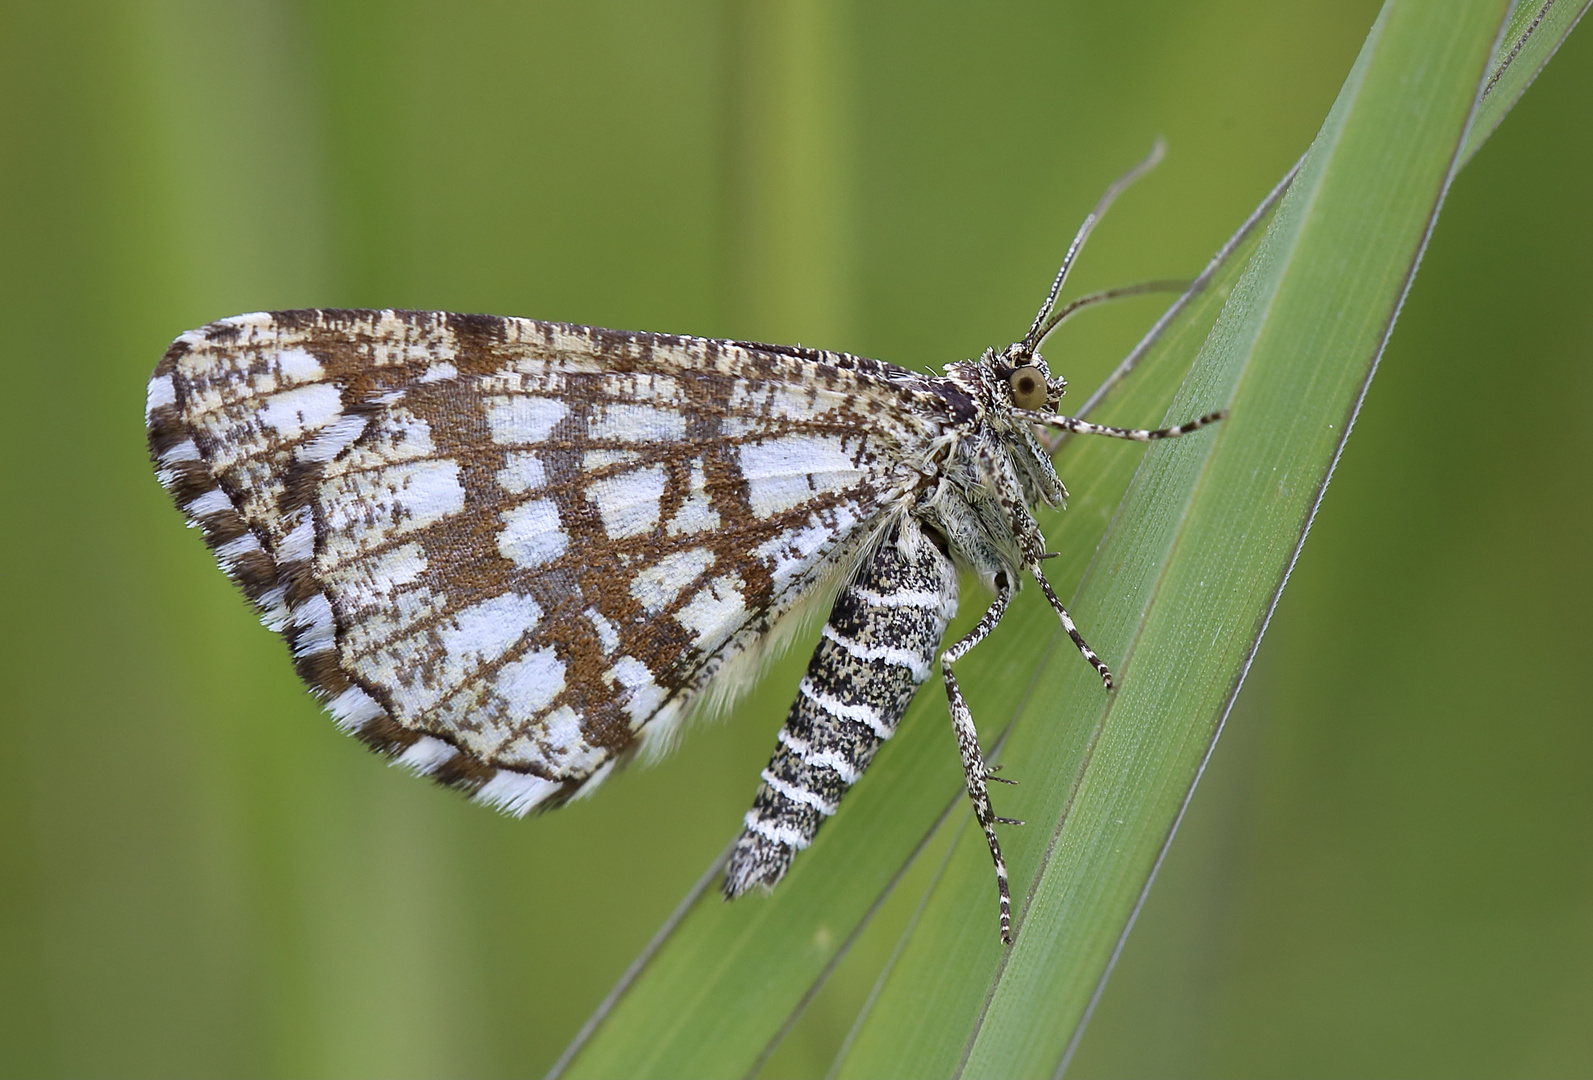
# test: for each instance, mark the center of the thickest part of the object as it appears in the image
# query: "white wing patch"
(528, 685)
(366, 510)
(628, 423)
(368, 586)
(523, 420)
(790, 554)
(523, 472)
(628, 502)
(696, 513)
(305, 408)
(714, 612)
(788, 471)
(655, 587)
(643, 694)
(482, 633)
(299, 366)
(532, 534)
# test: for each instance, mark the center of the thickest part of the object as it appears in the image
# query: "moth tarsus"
(509, 553)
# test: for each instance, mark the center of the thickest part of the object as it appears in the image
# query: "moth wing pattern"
(505, 551)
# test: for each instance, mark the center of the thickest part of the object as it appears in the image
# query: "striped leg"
(973, 762)
(1073, 631)
(876, 650)
(1084, 427)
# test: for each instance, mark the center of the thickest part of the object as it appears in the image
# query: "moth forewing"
(501, 549)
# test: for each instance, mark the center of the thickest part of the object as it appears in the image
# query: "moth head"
(1019, 379)
(1025, 378)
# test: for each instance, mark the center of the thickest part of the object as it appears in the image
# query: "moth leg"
(1075, 426)
(1073, 631)
(974, 770)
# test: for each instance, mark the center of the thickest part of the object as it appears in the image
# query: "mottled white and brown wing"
(499, 549)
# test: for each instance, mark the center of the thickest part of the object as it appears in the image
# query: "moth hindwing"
(510, 553)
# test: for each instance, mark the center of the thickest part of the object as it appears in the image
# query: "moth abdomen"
(877, 647)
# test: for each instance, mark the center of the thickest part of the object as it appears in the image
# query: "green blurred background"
(1387, 870)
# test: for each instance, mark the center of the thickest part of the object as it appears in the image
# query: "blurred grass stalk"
(792, 194)
(1176, 598)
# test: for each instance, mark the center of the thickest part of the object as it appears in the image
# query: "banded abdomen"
(876, 649)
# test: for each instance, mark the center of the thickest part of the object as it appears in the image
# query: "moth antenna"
(1073, 307)
(1031, 340)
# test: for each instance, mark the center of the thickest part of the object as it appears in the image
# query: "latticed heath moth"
(509, 553)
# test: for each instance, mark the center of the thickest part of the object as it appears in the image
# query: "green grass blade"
(1180, 592)
(1535, 31)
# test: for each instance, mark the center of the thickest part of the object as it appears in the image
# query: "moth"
(509, 554)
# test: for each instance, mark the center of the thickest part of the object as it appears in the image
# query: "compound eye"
(1029, 390)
